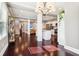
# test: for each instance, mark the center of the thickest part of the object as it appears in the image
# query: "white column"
(29, 28)
(61, 32)
(28, 32)
(39, 27)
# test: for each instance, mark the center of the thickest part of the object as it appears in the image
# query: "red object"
(35, 50)
(50, 48)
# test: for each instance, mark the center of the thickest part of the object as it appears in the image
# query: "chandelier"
(45, 8)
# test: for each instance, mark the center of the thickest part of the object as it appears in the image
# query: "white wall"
(70, 28)
(4, 40)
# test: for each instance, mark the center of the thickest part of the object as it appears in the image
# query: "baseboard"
(3, 50)
(71, 49)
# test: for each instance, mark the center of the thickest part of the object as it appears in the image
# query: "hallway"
(30, 29)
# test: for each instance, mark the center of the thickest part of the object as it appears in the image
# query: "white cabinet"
(46, 34)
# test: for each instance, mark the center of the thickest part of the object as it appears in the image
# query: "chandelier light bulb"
(45, 8)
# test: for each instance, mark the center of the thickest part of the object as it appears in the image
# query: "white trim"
(71, 49)
(3, 50)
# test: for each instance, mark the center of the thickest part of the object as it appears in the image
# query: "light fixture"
(45, 8)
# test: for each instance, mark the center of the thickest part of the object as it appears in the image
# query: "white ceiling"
(22, 9)
(27, 9)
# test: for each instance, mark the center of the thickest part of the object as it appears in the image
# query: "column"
(29, 32)
(39, 27)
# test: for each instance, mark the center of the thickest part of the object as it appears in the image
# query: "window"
(3, 20)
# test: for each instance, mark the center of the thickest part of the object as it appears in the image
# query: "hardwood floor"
(20, 48)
